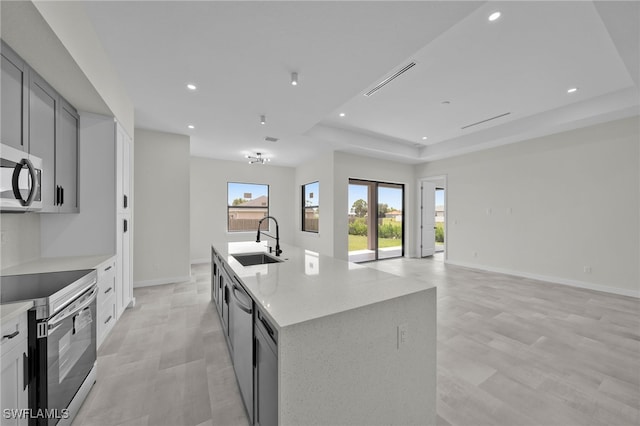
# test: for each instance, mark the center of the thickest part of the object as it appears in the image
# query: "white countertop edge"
(55, 264)
(291, 323)
(9, 311)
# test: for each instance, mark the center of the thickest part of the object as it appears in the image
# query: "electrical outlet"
(587, 269)
(403, 334)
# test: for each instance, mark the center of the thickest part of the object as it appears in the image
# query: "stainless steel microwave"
(20, 181)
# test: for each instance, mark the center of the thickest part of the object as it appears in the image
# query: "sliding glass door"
(376, 226)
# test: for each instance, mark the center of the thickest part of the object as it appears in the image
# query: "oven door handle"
(67, 312)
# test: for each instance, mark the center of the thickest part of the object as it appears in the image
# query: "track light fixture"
(294, 78)
(257, 159)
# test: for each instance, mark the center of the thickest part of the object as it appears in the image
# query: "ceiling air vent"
(390, 79)
(484, 121)
(270, 139)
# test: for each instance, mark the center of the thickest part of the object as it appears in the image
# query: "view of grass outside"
(389, 233)
(439, 233)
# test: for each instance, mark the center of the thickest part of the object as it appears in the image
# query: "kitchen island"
(354, 345)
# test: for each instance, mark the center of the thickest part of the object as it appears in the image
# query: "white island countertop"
(307, 286)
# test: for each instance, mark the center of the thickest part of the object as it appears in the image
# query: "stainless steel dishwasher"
(265, 412)
(241, 337)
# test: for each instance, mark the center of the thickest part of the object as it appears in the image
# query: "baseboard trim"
(200, 260)
(163, 281)
(550, 279)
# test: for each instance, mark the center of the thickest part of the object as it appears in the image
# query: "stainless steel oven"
(62, 340)
(65, 354)
(20, 180)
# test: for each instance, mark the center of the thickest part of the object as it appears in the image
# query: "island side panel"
(347, 368)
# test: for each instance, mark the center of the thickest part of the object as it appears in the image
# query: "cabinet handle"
(108, 319)
(126, 225)
(255, 343)
(266, 326)
(125, 201)
(107, 268)
(25, 371)
(108, 290)
(11, 336)
(61, 195)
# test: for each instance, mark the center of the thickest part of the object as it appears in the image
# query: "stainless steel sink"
(250, 259)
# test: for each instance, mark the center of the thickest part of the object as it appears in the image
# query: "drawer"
(106, 318)
(106, 281)
(13, 332)
(106, 269)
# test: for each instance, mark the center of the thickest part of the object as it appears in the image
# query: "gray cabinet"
(43, 103)
(252, 341)
(66, 176)
(265, 373)
(14, 88)
(36, 119)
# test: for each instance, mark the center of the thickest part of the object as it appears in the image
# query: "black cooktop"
(15, 288)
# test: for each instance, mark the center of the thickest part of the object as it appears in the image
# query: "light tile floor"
(511, 351)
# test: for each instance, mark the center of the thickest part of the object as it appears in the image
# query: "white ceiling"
(241, 55)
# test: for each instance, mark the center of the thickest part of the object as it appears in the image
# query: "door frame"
(438, 180)
(372, 222)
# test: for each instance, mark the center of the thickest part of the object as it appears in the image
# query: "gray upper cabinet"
(14, 89)
(37, 120)
(43, 104)
(53, 136)
(67, 157)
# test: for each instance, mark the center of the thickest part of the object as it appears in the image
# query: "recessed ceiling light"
(191, 86)
(191, 126)
(424, 138)
(572, 90)
(263, 119)
(294, 78)
(494, 16)
(342, 114)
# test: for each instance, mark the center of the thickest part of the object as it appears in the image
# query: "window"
(310, 207)
(247, 203)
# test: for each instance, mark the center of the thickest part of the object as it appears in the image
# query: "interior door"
(427, 218)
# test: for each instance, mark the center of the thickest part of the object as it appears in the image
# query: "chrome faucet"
(277, 237)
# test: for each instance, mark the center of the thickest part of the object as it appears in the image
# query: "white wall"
(209, 180)
(20, 238)
(319, 170)
(353, 166)
(70, 23)
(92, 231)
(161, 215)
(549, 207)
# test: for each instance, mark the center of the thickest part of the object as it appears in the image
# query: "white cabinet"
(106, 302)
(124, 293)
(14, 391)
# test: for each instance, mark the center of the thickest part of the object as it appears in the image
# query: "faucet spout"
(277, 237)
